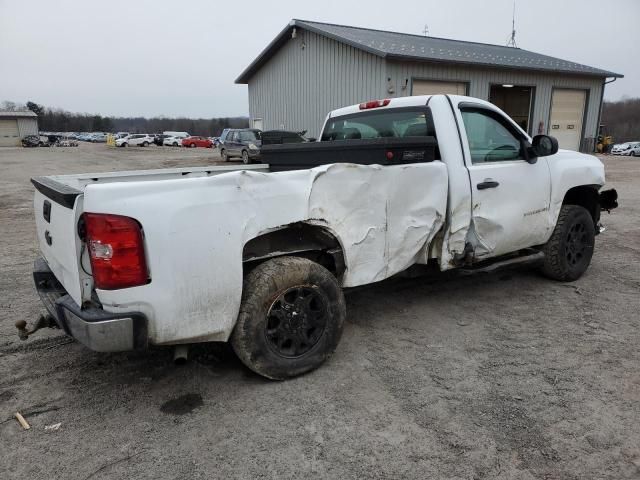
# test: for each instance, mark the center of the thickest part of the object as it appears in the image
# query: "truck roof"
(399, 102)
(413, 101)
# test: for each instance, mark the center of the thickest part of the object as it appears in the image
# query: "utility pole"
(425, 32)
(512, 39)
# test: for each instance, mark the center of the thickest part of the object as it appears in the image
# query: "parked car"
(135, 140)
(193, 142)
(222, 137)
(628, 148)
(263, 251)
(244, 143)
(31, 141)
(158, 139)
(170, 133)
(98, 138)
(173, 141)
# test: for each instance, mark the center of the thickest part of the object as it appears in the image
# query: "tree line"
(59, 120)
(621, 120)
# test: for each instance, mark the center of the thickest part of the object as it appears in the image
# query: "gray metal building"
(15, 126)
(311, 68)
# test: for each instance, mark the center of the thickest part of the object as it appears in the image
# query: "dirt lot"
(502, 376)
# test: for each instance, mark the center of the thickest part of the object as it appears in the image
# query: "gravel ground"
(501, 376)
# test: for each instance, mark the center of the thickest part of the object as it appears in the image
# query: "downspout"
(605, 82)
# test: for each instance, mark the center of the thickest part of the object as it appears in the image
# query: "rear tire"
(569, 250)
(193, 145)
(291, 317)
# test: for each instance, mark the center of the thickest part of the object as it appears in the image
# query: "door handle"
(488, 183)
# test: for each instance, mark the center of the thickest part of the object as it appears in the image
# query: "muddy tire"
(291, 317)
(569, 250)
(223, 154)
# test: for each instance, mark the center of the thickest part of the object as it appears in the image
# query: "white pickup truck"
(258, 255)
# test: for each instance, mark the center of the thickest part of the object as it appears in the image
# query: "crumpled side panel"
(383, 216)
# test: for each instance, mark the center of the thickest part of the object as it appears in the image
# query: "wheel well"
(298, 239)
(585, 196)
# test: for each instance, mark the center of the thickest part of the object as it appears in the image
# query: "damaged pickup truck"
(259, 255)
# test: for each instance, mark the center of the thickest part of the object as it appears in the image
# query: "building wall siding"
(27, 126)
(480, 81)
(298, 87)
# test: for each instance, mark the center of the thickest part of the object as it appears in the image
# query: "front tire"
(291, 318)
(569, 250)
(245, 157)
(223, 154)
(145, 144)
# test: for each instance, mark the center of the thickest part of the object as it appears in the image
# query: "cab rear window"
(398, 123)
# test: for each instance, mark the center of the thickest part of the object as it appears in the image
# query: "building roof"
(17, 114)
(403, 46)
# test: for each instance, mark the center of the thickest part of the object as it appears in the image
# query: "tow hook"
(42, 322)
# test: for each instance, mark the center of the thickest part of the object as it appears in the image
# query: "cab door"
(510, 196)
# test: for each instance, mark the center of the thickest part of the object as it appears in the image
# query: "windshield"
(387, 123)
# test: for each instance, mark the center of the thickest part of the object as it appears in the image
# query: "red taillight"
(375, 104)
(116, 250)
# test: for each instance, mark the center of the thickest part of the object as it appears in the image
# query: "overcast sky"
(129, 58)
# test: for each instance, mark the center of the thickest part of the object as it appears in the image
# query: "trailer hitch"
(42, 322)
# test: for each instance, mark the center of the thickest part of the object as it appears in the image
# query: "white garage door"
(9, 133)
(567, 110)
(430, 87)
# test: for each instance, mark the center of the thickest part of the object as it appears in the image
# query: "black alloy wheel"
(296, 320)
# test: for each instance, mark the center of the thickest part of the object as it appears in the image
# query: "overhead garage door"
(9, 133)
(431, 87)
(567, 111)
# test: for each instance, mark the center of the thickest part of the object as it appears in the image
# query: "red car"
(194, 142)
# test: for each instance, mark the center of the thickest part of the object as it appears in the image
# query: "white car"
(175, 141)
(135, 139)
(629, 148)
(258, 255)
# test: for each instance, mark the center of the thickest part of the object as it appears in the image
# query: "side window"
(490, 138)
(230, 136)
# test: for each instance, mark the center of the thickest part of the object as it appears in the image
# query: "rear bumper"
(95, 328)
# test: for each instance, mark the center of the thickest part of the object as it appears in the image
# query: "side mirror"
(544, 145)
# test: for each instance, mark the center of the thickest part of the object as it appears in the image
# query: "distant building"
(311, 68)
(15, 126)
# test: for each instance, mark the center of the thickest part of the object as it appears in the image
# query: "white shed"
(16, 125)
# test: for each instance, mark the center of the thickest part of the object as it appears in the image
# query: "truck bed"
(64, 189)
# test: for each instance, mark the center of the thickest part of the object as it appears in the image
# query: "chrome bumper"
(95, 328)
